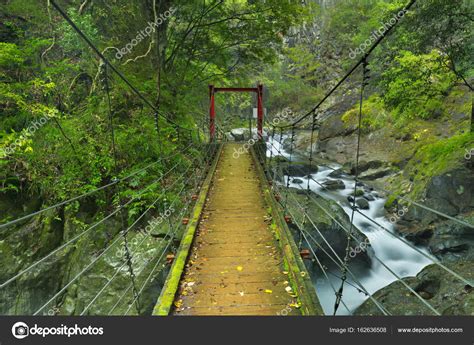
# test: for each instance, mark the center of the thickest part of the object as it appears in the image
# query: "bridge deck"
(235, 266)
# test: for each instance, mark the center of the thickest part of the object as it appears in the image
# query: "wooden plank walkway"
(235, 266)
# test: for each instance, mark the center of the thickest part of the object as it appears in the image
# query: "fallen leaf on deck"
(268, 291)
(241, 293)
(295, 305)
(239, 268)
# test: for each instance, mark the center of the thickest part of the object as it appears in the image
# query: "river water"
(399, 257)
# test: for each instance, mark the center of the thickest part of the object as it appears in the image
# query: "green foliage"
(70, 41)
(10, 55)
(374, 114)
(438, 157)
(415, 85)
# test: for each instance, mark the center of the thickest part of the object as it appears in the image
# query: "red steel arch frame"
(212, 109)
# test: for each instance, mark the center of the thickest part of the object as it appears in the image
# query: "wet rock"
(364, 166)
(429, 287)
(424, 216)
(449, 247)
(329, 228)
(420, 238)
(337, 173)
(373, 174)
(297, 181)
(425, 295)
(238, 134)
(334, 184)
(447, 240)
(299, 170)
(229, 136)
(362, 204)
(369, 197)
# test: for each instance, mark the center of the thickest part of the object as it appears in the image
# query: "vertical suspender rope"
(356, 177)
(128, 256)
(289, 167)
(308, 176)
(271, 148)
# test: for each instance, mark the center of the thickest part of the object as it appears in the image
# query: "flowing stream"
(402, 259)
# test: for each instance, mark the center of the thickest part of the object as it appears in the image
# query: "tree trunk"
(161, 6)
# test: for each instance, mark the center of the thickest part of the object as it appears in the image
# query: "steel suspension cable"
(323, 269)
(358, 63)
(96, 260)
(149, 261)
(361, 288)
(357, 281)
(184, 211)
(139, 246)
(117, 191)
(356, 177)
(112, 67)
(427, 208)
(393, 234)
(436, 312)
(75, 238)
(116, 181)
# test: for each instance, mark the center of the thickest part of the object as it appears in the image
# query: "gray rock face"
(451, 241)
(451, 193)
(333, 127)
(373, 174)
(444, 292)
(456, 188)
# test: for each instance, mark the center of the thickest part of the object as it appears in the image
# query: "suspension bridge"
(228, 249)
